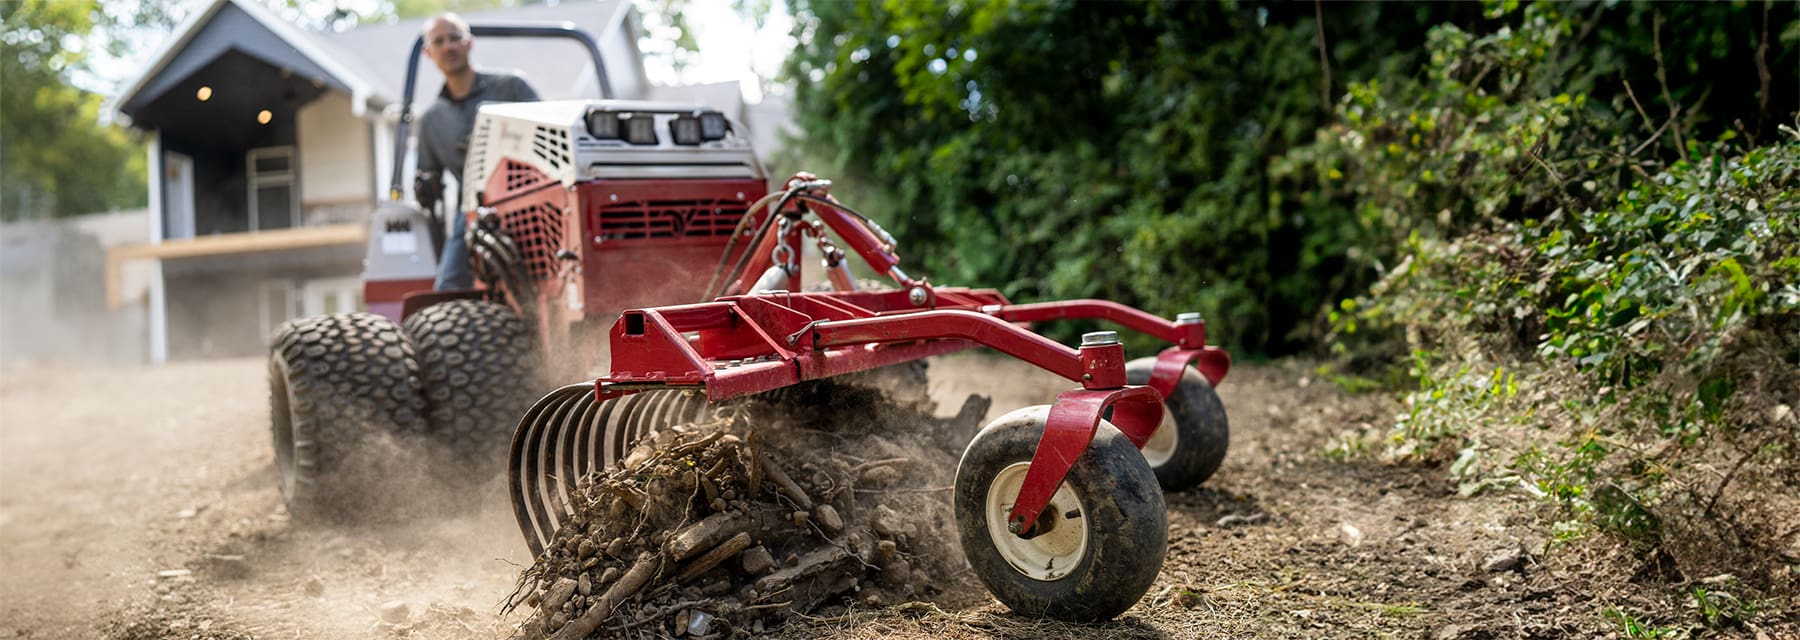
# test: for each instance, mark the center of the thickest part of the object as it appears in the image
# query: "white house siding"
(337, 174)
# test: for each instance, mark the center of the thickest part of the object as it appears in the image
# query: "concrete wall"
(53, 291)
(337, 172)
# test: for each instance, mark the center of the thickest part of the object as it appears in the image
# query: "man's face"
(448, 45)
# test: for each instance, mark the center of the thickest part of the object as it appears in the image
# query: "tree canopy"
(1129, 150)
(55, 156)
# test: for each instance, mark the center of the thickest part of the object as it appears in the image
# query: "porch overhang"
(318, 245)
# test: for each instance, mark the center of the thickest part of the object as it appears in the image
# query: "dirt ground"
(141, 503)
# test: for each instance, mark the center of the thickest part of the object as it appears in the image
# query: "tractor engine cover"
(611, 204)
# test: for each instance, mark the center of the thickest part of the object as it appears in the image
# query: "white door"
(178, 194)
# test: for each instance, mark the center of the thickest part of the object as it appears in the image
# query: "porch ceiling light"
(204, 94)
(263, 117)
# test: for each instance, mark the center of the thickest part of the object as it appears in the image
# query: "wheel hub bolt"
(1099, 338)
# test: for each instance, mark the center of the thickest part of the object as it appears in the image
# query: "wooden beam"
(350, 234)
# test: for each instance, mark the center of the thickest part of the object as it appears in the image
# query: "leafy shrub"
(1606, 320)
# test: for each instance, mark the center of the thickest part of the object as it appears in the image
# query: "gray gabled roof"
(250, 29)
(369, 62)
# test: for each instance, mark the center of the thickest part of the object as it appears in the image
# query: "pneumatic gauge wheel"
(1191, 442)
(1099, 543)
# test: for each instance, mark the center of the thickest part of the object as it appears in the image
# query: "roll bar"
(562, 30)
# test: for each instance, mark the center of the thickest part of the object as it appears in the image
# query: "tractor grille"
(537, 229)
(518, 177)
(642, 219)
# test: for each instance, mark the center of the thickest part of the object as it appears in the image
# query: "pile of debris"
(727, 527)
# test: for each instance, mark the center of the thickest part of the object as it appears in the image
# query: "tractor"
(638, 249)
(576, 211)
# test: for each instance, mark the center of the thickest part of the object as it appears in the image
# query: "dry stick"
(858, 469)
(786, 484)
(1648, 123)
(1324, 61)
(1662, 78)
(1653, 137)
(753, 466)
(737, 544)
(706, 533)
(768, 605)
(648, 564)
(1762, 74)
(1726, 481)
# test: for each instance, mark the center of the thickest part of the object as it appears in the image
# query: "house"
(269, 144)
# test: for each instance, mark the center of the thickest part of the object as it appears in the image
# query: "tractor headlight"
(685, 130)
(639, 128)
(603, 125)
(712, 126)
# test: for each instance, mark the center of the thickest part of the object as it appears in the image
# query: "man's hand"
(428, 188)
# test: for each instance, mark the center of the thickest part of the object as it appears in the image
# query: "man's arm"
(428, 182)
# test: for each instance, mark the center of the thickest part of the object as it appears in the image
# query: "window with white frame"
(274, 188)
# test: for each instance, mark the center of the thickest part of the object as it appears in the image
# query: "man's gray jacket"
(444, 129)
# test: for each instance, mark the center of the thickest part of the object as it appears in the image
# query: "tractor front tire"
(343, 395)
(1190, 444)
(1101, 539)
(481, 370)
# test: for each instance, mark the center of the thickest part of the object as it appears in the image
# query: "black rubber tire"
(343, 394)
(1202, 432)
(1125, 519)
(480, 369)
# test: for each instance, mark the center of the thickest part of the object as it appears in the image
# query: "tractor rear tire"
(1190, 445)
(1107, 525)
(481, 370)
(344, 393)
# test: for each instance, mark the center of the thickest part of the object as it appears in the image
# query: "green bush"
(1590, 312)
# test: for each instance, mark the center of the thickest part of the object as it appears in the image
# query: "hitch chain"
(783, 255)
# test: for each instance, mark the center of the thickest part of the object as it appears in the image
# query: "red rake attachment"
(1060, 513)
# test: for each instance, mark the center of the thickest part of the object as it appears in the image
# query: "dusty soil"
(141, 503)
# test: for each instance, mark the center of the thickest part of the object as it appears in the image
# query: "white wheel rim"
(1161, 446)
(1051, 555)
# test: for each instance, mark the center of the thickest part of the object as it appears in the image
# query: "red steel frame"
(749, 343)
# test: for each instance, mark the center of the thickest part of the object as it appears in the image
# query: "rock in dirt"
(1505, 560)
(757, 560)
(830, 520)
(314, 587)
(394, 612)
(229, 567)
